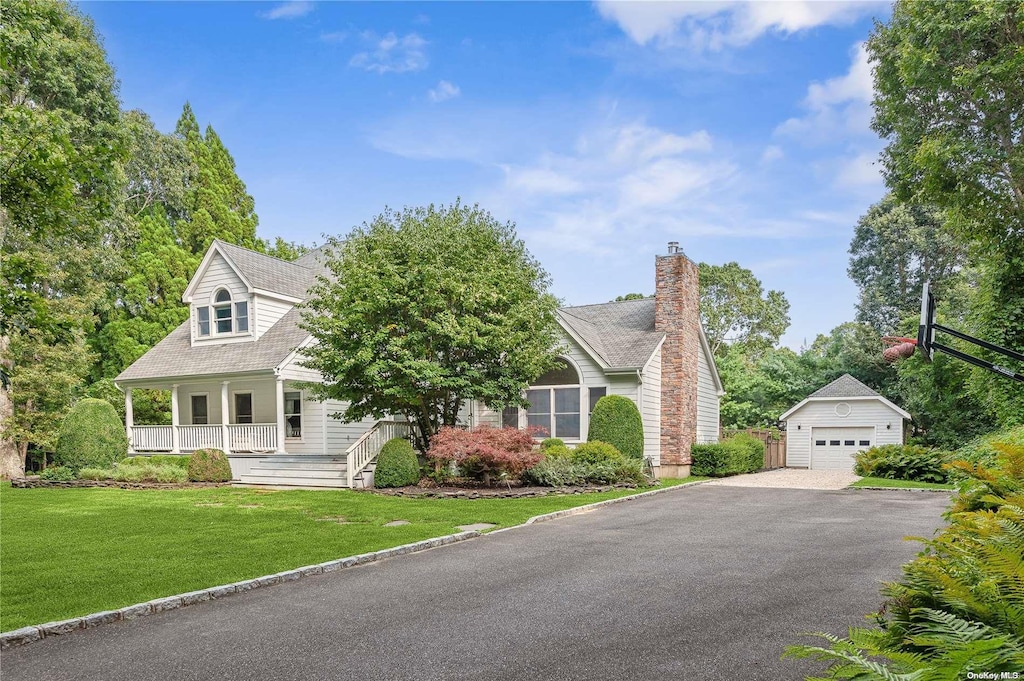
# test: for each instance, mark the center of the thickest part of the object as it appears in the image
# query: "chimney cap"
(673, 248)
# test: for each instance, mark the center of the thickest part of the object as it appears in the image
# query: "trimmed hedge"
(208, 465)
(91, 435)
(396, 465)
(157, 460)
(741, 453)
(902, 462)
(616, 420)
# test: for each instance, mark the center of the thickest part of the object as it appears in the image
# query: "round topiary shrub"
(91, 435)
(596, 452)
(209, 465)
(549, 442)
(396, 465)
(616, 420)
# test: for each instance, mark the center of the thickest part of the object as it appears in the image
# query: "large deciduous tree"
(896, 248)
(427, 308)
(61, 150)
(735, 308)
(949, 83)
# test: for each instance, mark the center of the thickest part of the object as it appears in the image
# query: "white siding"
(219, 275)
(822, 414)
(268, 312)
(294, 371)
(340, 435)
(651, 408)
(708, 401)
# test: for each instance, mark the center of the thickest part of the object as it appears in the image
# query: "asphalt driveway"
(702, 582)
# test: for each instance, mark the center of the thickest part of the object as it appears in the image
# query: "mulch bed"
(474, 492)
(38, 482)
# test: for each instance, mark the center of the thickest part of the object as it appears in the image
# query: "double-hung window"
(293, 414)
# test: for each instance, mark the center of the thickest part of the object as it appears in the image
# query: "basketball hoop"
(898, 348)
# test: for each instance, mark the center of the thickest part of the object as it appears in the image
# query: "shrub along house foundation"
(234, 368)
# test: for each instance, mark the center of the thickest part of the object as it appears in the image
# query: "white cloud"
(772, 153)
(714, 25)
(840, 106)
(444, 90)
(289, 10)
(861, 171)
(391, 54)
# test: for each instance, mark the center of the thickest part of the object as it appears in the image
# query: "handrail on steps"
(368, 446)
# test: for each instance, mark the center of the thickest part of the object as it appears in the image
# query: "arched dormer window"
(226, 315)
(555, 402)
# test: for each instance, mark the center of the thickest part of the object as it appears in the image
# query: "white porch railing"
(152, 438)
(366, 448)
(252, 437)
(242, 437)
(192, 438)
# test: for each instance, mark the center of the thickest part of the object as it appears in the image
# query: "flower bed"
(515, 492)
(35, 481)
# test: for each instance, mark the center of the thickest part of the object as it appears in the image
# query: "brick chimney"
(677, 313)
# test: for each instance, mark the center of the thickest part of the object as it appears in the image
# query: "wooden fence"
(774, 444)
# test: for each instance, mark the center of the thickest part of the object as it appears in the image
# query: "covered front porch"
(237, 416)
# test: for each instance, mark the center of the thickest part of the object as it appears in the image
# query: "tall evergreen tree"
(219, 206)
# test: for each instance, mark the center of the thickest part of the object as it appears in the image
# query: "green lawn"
(70, 552)
(899, 484)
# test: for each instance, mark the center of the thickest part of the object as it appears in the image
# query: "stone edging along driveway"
(34, 633)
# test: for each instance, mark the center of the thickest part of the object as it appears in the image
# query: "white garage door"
(833, 448)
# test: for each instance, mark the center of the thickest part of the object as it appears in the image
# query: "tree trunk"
(12, 460)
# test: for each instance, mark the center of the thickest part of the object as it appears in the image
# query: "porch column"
(129, 418)
(280, 415)
(225, 412)
(175, 421)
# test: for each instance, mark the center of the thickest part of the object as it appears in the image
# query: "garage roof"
(845, 387)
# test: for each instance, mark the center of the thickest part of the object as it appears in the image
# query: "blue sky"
(602, 130)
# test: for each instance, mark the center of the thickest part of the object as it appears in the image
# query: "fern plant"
(959, 607)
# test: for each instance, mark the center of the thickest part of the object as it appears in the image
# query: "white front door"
(834, 448)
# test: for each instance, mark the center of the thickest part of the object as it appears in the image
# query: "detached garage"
(837, 421)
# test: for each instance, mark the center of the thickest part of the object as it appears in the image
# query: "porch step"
(278, 481)
(297, 470)
(261, 471)
(276, 465)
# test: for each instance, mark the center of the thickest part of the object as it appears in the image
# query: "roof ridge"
(610, 302)
(262, 255)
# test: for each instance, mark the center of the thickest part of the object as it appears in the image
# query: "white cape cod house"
(232, 370)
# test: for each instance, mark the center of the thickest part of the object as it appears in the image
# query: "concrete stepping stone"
(478, 527)
(396, 523)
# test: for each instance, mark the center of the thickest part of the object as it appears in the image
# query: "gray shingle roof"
(622, 333)
(270, 274)
(844, 386)
(176, 357)
(315, 260)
